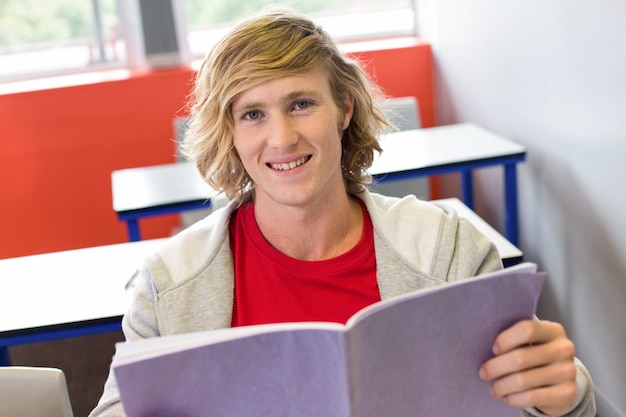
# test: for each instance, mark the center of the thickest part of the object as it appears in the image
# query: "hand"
(533, 367)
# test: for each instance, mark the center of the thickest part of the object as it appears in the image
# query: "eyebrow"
(288, 97)
(299, 93)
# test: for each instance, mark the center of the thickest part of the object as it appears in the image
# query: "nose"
(282, 132)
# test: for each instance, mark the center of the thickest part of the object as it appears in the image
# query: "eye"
(301, 105)
(252, 115)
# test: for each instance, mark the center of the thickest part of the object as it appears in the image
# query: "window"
(56, 36)
(345, 20)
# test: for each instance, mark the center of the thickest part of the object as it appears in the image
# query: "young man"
(286, 127)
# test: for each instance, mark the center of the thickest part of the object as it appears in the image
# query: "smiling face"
(287, 132)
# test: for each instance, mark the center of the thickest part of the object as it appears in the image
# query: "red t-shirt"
(271, 287)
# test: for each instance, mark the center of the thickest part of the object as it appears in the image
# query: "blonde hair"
(265, 47)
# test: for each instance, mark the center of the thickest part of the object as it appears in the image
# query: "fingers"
(528, 357)
(527, 332)
(526, 345)
(555, 400)
(533, 367)
(520, 385)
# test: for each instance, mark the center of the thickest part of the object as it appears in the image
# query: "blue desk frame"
(61, 331)
(509, 162)
(131, 217)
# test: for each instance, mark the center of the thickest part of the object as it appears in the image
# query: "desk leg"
(467, 188)
(511, 215)
(133, 230)
(5, 359)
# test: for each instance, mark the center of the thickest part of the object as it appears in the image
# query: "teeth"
(290, 165)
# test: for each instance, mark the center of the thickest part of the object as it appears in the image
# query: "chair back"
(33, 392)
(180, 125)
(403, 112)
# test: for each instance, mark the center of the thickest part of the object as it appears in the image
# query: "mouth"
(286, 166)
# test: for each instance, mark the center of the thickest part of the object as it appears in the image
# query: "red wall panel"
(59, 146)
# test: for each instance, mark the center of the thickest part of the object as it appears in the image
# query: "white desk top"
(137, 188)
(70, 286)
(440, 146)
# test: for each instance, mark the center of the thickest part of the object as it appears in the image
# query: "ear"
(348, 105)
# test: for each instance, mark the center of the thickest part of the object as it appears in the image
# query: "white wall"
(551, 75)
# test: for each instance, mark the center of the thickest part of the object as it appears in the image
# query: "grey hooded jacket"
(188, 285)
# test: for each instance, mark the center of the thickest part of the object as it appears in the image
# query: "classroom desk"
(66, 294)
(460, 148)
(156, 190)
(407, 154)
